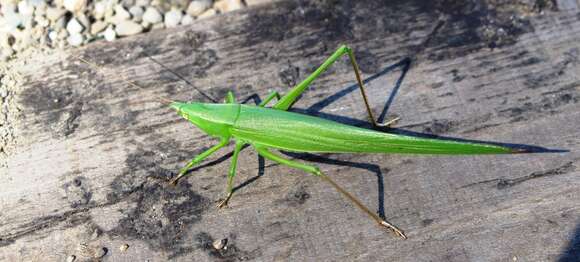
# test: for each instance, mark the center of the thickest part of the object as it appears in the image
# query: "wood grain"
(93, 153)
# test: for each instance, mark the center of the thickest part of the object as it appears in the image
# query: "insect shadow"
(572, 251)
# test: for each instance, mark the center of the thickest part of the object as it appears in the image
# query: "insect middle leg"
(198, 159)
(269, 98)
(230, 98)
(231, 175)
(263, 151)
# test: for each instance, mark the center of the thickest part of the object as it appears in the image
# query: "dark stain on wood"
(331, 21)
(78, 192)
(549, 76)
(504, 183)
(60, 107)
(456, 76)
(162, 216)
(289, 75)
(546, 106)
(438, 126)
(296, 196)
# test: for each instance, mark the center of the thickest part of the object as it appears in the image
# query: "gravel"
(75, 39)
(128, 27)
(152, 16)
(197, 7)
(62, 23)
(172, 18)
(110, 34)
(74, 26)
(136, 13)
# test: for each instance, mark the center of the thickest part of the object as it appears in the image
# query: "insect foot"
(394, 229)
(173, 182)
(391, 122)
(224, 202)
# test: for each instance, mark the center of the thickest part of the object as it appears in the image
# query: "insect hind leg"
(359, 81)
(263, 151)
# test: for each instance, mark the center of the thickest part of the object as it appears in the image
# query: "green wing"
(302, 133)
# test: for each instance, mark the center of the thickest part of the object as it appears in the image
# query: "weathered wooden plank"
(92, 152)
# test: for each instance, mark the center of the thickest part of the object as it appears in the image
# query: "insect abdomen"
(303, 133)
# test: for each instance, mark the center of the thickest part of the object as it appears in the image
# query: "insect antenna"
(213, 100)
(99, 68)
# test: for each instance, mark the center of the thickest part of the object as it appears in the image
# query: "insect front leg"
(231, 175)
(263, 151)
(198, 159)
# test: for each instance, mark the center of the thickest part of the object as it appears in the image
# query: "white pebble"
(39, 9)
(75, 39)
(172, 18)
(3, 93)
(11, 22)
(228, 5)
(36, 3)
(124, 247)
(145, 24)
(6, 53)
(187, 20)
(74, 26)
(142, 2)
(75, 5)
(137, 13)
(128, 27)
(41, 21)
(121, 13)
(24, 8)
(220, 244)
(97, 27)
(7, 8)
(110, 34)
(208, 13)
(53, 36)
(23, 40)
(84, 20)
(5, 39)
(197, 7)
(257, 2)
(100, 9)
(71, 258)
(54, 13)
(152, 16)
(60, 24)
(157, 26)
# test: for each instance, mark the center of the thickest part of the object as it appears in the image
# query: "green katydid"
(275, 128)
